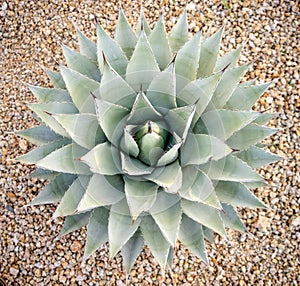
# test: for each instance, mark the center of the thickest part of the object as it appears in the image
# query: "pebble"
(13, 271)
(31, 33)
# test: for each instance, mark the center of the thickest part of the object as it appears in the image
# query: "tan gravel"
(30, 36)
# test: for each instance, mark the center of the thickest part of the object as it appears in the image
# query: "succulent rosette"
(149, 137)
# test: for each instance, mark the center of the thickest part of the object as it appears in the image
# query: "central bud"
(151, 139)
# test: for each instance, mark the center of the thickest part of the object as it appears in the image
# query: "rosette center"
(152, 139)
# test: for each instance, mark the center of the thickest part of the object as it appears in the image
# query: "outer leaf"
(160, 45)
(140, 196)
(228, 61)
(131, 250)
(198, 92)
(97, 230)
(179, 33)
(66, 160)
(81, 63)
(243, 98)
(83, 128)
(103, 159)
(142, 67)
(56, 79)
(208, 234)
(168, 177)
(204, 148)
(231, 218)
(43, 174)
(80, 88)
(170, 257)
(112, 51)
(254, 185)
(39, 135)
(256, 157)
(197, 187)
(120, 226)
(39, 153)
(142, 23)
(166, 212)
(162, 92)
(114, 89)
(223, 123)
(101, 192)
(191, 236)
(264, 118)
(203, 214)
(75, 222)
(158, 245)
(226, 86)
(230, 168)
(45, 95)
(124, 35)
(69, 202)
(54, 191)
(209, 54)
(237, 194)
(248, 136)
(45, 110)
(112, 119)
(186, 62)
(86, 46)
(247, 83)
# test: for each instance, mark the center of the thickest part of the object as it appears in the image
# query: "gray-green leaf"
(54, 191)
(209, 54)
(66, 160)
(230, 168)
(80, 88)
(153, 237)
(101, 192)
(142, 67)
(166, 212)
(75, 222)
(83, 128)
(131, 250)
(97, 230)
(103, 159)
(140, 196)
(204, 214)
(69, 202)
(121, 227)
(160, 45)
(237, 194)
(191, 236)
(39, 135)
(179, 33)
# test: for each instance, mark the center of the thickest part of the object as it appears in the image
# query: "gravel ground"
(30, 35)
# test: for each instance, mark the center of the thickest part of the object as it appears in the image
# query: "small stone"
(263, 223)
(296, 221)
(13, 271)
(76, 246)
(120, 283)
(11, 195)
(62, 279)
(191, 6)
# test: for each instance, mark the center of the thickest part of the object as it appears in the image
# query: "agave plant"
(148, 137)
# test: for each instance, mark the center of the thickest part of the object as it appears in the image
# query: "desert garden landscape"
(31, 34)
